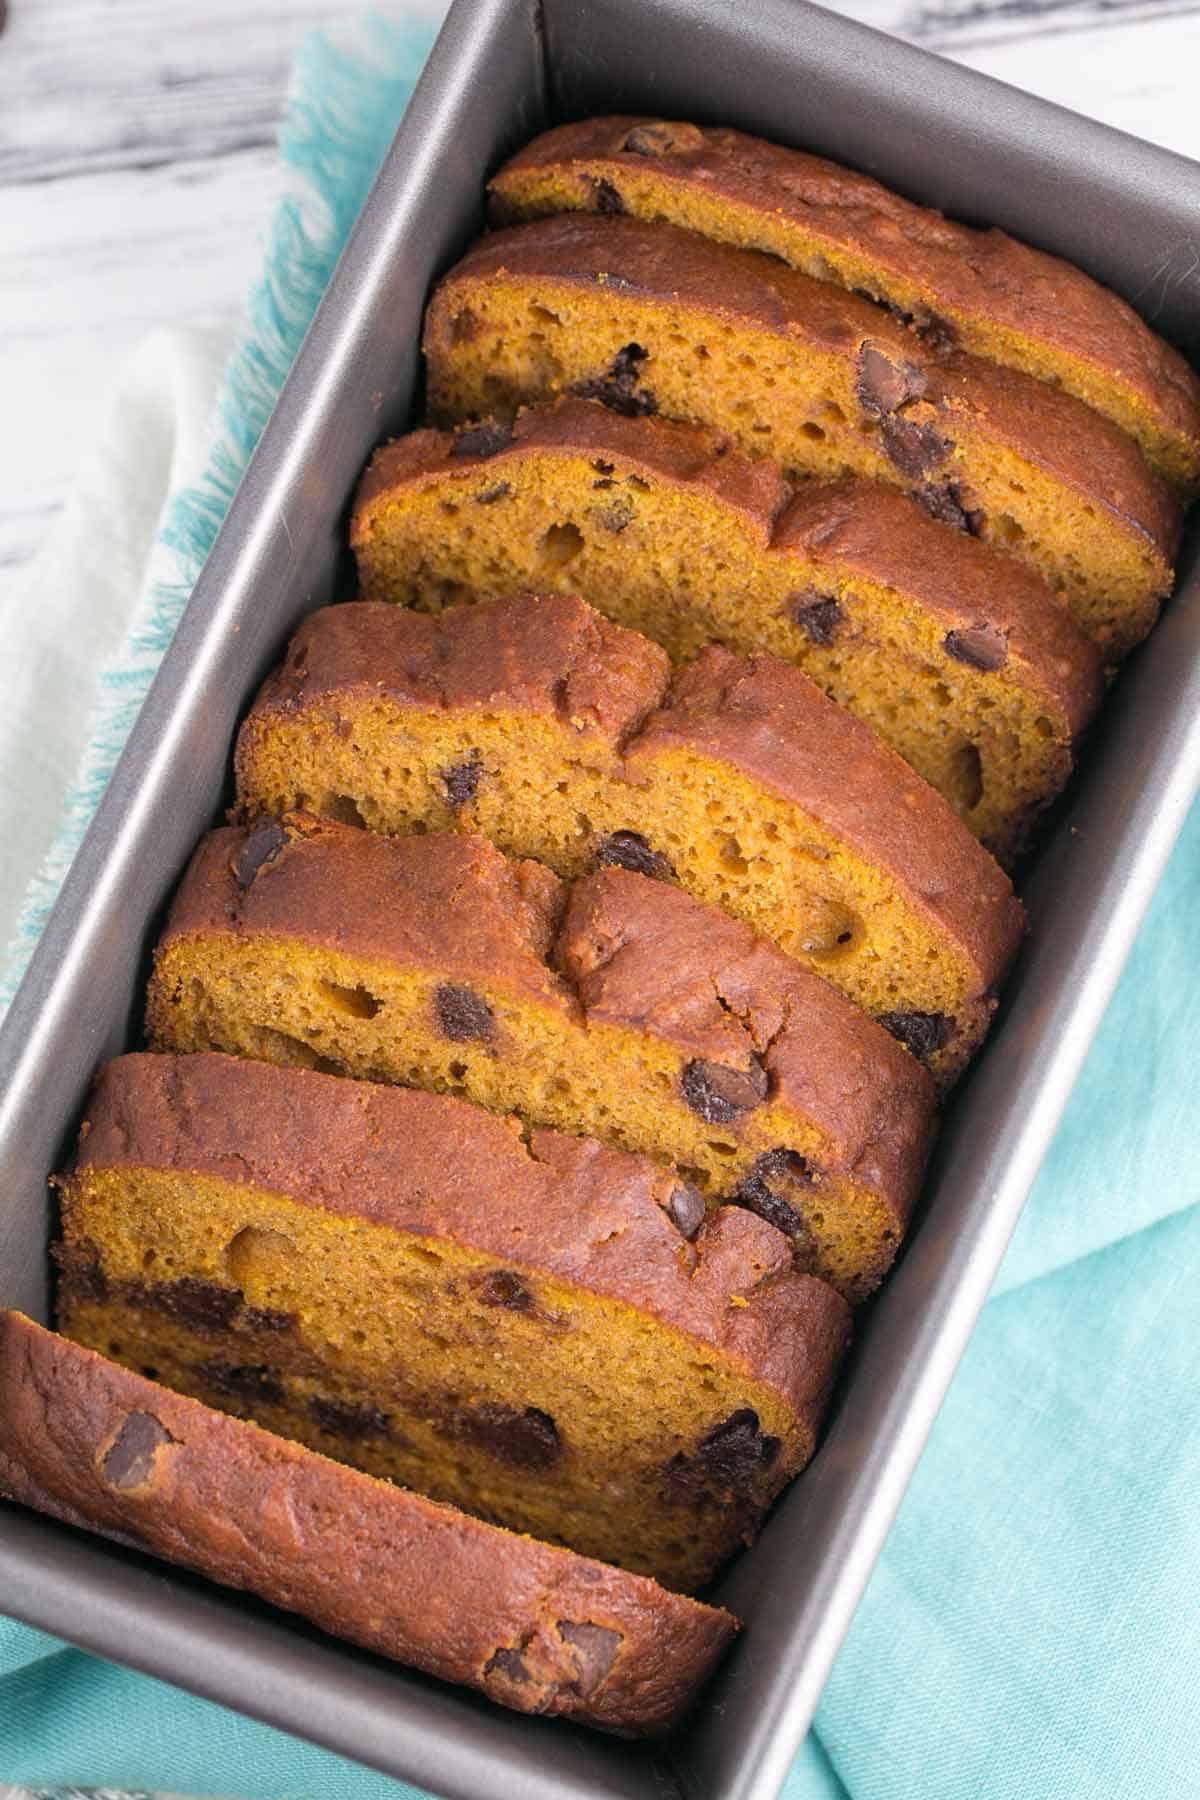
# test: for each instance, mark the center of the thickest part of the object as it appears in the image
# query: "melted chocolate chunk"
(462, 1016)
(265, 1318)
(253, 1383)
(726, 1460)
(943, 503)
(348, 1419)
(616, 516)
(979, 646)
(485, 439)
(758, 1189)
(525, 1440)
(629, 850)
(80, 1274)
(201, 1305)
(259, 848)
(685, 1209)
(716, 1093)
(505, 1288)
(129, 1460)
(916, 450)
(461, 781)
(920, 1032)
(616, 388)
(938, 333)
(659, 139)
(817, 615)
(499, 490)
(884, 386)
(605, 198)
(596, 1647)
(509, 1663)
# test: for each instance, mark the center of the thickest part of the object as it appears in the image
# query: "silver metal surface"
(501, 69)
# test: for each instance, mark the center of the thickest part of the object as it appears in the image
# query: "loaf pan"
(501, 71)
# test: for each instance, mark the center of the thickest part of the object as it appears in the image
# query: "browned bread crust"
(534, 1627)
(591, 1216)
(999, 298)
(629, 952)
(761, 718)
(556, 657)
(931, 401)
(846, 529)
(771, 722)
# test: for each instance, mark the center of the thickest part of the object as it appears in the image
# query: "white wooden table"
(137, 169)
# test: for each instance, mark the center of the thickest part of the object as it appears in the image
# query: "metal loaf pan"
(501, 70)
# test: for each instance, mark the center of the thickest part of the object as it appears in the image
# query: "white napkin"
(68, 613)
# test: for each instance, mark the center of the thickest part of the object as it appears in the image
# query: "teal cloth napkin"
(1032, 1631)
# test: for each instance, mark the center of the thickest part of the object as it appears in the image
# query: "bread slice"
(649, 318)
(541, 1331)
(744, 783)
(982, 290)
(530, 1625)
(622, 1008)
(958, 655)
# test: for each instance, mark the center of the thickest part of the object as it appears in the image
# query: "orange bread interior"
(562, 1360)
(957, 656)
(651, 319)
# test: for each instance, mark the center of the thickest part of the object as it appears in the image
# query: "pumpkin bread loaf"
(744, 783)
(543, 1331)
(623, 1008)
(980, 290)
(649, 318)
(530, 1625)
(955, 653)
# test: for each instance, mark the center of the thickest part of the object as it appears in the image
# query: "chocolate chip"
(757, 1190)
(685, 1209)
(488, 496)
(526, 1440)
(616, 388)
(348, 1419)
(81, 1277)
(485, 439)
(201, 1305)
(914, 449)
(737, 1444)
(658, 139)
(462, 1016)
(129, 1460)
(921, 1032)
(461, 781)
(260, 847)
(728, 1458)
(943, 503)
(938, 333)
(716, 1093)
(884, 386)
(817, 615)
(509, 1663)
(979, 646)
(254, 1383)
(504, 1288)
(605, 198)
(597, 1647)
(616, 516)
(629, 850)
(603, 468)
(265, 1318)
